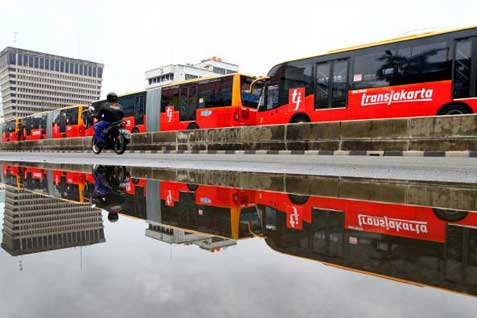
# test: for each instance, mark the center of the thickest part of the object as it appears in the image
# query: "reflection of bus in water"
(218, 211)
(12, 175)
(35, 179)
(74, 186)
(400, 242)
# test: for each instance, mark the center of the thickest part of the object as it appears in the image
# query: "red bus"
(34, 126)
(422, 75)
(69, 122)
(417, 222)
(402, 243)
(73, 186)
(134, 106)
(222, 101)
(212, 210)
(11, 130)
(12, 175)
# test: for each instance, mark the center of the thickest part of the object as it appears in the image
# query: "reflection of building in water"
(172, 235)
(34, 223)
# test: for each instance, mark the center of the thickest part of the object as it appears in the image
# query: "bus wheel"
(300, 119)
(455, 109)
(192, 126)
(450, 215)
(135, 130)
(297, 199)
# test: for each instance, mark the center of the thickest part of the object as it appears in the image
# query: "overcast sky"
(138, 35)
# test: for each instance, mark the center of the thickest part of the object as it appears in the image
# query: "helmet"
(112, 97)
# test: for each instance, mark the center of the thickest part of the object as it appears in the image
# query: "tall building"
(34, 223)
(33, 82)
(179, 72)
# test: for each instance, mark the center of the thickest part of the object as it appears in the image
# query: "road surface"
(407, 168)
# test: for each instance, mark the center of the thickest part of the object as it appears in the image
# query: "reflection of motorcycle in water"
(110, 185)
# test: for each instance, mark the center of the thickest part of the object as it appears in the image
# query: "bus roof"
(199, 79)
(36, 114)
(388, 41)
(70, 106)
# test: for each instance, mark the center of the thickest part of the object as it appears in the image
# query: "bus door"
(139, 112)
(188, 102)
(331, 84)
(465, 68)
(88, 122)
(73, 118)
(59, 123)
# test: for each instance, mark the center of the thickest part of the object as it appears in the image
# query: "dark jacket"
(109, 112)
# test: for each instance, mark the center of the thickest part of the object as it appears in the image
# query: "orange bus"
(134, 107)
(34, 126)
(222, 101)
(69, 122)
(427, 74)
(11, 130)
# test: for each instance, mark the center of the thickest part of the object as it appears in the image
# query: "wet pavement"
(444, 169)
(114, 241)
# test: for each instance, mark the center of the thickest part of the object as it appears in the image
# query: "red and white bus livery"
(421, 75)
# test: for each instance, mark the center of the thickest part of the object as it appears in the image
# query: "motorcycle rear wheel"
(119, 144)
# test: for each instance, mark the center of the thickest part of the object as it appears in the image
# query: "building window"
(47, 64)
(30, 61)
(218, 70)
(62, 66)
(20, 59)
(41, 62)
(12, 58)
(190, 76)
(100, 72)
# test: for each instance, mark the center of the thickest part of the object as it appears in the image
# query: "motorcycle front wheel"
(96, 149)
(120, 144)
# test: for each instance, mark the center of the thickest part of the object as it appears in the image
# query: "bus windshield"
(249, 99)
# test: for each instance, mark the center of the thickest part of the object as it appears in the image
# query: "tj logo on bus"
(294, 219)
(169, 112)
(295, 97)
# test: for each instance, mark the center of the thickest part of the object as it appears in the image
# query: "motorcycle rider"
(108, 112)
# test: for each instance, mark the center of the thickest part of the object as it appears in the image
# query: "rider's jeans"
(98, 128)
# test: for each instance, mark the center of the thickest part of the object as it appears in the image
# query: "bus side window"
(323, 71)
(127, 103)
(223, 92)
(206, 93)
(169, 97)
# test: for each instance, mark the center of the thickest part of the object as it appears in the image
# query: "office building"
(33, 82)
(34, 223)
(179, 72)
(171, 235)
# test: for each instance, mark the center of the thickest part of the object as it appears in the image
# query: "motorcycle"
(115, 137)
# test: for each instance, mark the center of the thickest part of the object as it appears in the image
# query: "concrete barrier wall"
(434, 134)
